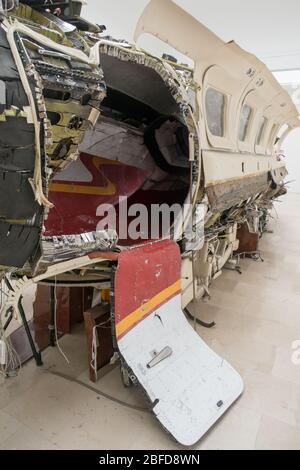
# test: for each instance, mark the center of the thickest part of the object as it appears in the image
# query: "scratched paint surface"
(190, 383)
(146, 275)
(194, 385)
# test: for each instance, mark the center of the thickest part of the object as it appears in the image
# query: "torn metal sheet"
(189, 385)
(65, 247)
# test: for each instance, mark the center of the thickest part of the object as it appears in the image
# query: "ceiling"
(269, 29)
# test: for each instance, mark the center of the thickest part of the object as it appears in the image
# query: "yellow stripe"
(146, 308)
(109, 190)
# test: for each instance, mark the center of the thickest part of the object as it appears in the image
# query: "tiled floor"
(258, 318)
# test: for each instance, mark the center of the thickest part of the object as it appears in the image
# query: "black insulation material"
(20, 214)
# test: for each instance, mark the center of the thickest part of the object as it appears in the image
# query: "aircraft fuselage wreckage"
(122, 167)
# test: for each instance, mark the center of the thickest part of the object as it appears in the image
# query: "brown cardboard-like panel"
(41, 314)
(248, 241)
(71, 302)
(80, 300)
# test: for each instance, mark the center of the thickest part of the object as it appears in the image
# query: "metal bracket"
(159, 357)
(197, 320)
(36, 354)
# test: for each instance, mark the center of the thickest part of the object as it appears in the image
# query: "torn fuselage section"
(139, 150)
(47, 95)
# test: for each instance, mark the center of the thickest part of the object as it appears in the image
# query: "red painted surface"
(76, 212)
(142, 273)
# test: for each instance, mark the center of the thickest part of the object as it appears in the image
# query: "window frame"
(223, 114)
(248, 126)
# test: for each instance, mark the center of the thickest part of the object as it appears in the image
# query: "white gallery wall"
(269, 29)
(290, 80)
(292, 152)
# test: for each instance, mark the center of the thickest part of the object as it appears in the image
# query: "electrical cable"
(55, 326)
(4, 5)
(99, 392)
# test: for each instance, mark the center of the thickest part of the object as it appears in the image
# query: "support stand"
(52, 316)
(36, 354)
(198, 321)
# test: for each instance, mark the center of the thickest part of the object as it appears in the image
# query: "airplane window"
(215, 102)
(244, 122)
(261, 131)
(273, 136)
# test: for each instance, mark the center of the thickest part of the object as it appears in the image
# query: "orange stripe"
(137, 315)
(109, 190)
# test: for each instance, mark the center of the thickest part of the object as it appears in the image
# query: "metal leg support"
(197, 320)
(52, 316)
(36, 354)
